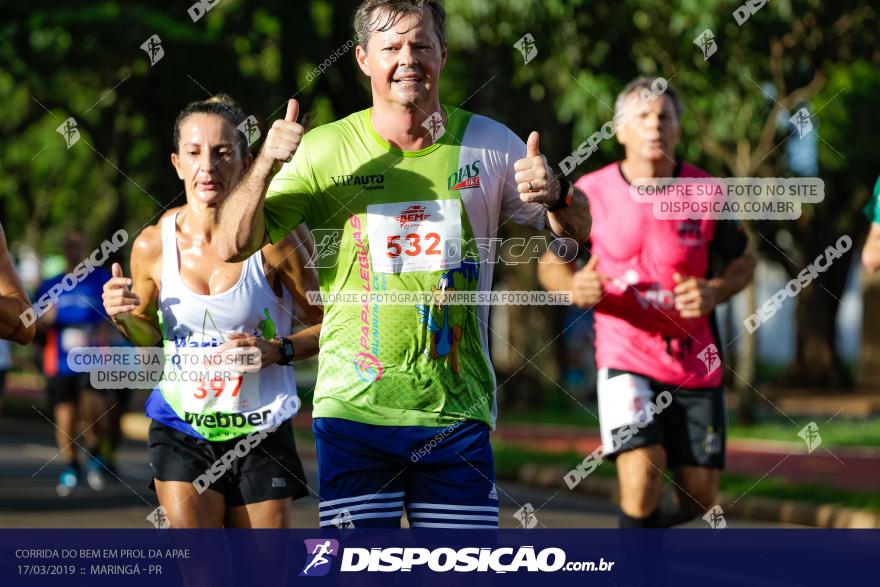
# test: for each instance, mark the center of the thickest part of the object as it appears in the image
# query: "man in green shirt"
(405, 393)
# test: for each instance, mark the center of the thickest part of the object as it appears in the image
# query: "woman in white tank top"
(221, 445)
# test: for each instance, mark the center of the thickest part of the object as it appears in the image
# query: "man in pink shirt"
(651, 285)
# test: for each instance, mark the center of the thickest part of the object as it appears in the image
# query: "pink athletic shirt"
(637, 326)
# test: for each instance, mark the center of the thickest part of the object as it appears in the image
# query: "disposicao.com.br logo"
(443, 559)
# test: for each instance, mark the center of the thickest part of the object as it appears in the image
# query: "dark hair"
(221, 105)
(366, 21)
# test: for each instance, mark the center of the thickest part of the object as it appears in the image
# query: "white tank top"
(221, 408)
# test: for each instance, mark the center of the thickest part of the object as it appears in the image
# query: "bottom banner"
(252, 558)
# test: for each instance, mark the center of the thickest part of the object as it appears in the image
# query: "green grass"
(781, 489)
(575, 416)
(839, 432)
(510, 459)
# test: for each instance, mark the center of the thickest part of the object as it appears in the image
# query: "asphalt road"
(30, 465)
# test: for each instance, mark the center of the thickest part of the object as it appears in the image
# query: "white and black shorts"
(636, 411)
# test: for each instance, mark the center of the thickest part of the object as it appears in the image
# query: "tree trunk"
(744, 364)
(817, 363)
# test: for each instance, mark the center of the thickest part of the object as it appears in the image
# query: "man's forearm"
(242, 226)
(574, 220)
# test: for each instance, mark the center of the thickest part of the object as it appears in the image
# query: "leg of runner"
(635, 438)
(271, 513)
(695, 432)
(64, 399)
(186, 508)
(94, 410)
(640, 474)
(65, 431)
(697, 489)
(118, 402)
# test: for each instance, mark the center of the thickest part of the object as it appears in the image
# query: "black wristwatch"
(287, 353)
(564, 195)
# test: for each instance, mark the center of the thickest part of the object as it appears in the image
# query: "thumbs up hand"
(533, 176)
(589, 285)
(119, 300)
(282, 140)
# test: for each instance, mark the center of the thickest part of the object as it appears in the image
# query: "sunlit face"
(649, 129)
(404, 62)
(208, 158)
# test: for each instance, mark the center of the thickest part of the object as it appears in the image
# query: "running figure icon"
(318, 555)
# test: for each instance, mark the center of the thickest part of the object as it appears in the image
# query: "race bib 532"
(415, 236)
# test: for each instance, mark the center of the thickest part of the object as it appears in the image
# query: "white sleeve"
(512, 207)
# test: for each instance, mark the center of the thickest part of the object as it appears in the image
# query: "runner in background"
(652, 288)
(871, 252)
(182, 296)
(111, 404)
(69, 323)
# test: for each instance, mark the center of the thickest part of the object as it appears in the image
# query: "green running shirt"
(387, 221)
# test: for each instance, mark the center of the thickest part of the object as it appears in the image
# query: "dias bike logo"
(465, 178)
(319, 554)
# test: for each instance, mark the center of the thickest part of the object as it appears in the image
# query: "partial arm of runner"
(294, 254)
(242, 224)
(13, 299)
(556, 274)
(574, 220)
(586, 285)
(290, 259)
(871, 252)
(132, 303)
(737, 275)
(696, 296)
